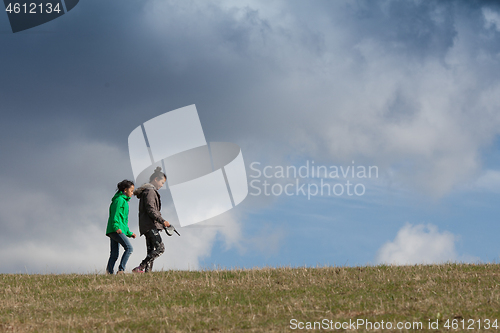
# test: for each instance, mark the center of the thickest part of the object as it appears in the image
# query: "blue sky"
(408, 86)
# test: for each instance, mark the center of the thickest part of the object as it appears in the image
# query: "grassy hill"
(257, 300)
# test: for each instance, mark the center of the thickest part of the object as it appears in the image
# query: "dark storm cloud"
(102, 65)
(413, 29)
(105, 67)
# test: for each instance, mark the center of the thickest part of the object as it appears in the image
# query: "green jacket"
(118, 214)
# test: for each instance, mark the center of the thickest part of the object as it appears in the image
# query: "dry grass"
(248, 300)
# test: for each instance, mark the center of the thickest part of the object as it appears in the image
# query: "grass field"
(467, 297)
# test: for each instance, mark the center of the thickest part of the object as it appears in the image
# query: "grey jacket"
(149, 208)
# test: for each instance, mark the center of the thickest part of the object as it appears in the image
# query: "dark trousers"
(155, 248)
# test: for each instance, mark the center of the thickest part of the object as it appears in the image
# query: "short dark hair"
(124, 184)
(157, 174)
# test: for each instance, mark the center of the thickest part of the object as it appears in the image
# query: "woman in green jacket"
(117, 229)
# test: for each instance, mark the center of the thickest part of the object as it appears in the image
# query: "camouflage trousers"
(155, 248)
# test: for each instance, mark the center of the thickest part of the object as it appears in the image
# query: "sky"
(406, 88)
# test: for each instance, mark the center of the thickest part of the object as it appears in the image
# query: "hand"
(118, 231)
(133, 235)
(166, 224)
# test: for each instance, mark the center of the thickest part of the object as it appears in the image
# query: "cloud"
(419, 244)
(195, 242)
(409, 86)
(492, 19)
(489, 181)
(404, 84)
(54, 214)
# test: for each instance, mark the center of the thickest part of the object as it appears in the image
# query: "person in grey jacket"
(150, 219)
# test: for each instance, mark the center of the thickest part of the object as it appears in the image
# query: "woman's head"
(158, 178)
(126, 186)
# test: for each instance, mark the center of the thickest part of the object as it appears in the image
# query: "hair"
(124, 184)
(157, 174)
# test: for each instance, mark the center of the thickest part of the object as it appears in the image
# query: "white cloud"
(419, 244)
(421, 100)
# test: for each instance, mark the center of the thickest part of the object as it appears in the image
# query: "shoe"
(120, 272)
(138, 269)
